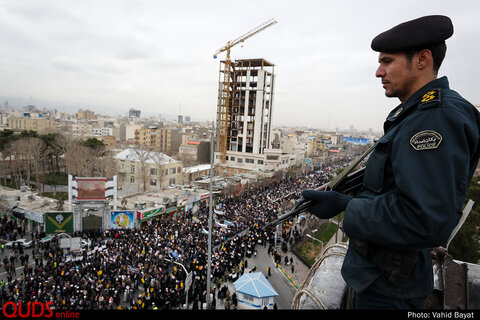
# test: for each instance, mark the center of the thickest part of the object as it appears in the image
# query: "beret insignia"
(426, 140)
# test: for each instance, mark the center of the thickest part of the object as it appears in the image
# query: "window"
(153, 171)
(165, 172)
(240, 160)
(132, 168)
(247, 160)
(132, 179)
(171, 181)
(260, 161)
(232, 158)
(153, 182)
(172, 170)
(265, 301)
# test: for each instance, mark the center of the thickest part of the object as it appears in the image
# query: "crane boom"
(244, 37)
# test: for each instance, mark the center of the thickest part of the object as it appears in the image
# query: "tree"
(93, 143)
(143, 156)
(13, 148)
(465, 246)
(37, 149)
(97, 149)
(52, 152)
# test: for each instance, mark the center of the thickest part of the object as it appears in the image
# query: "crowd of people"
(146, 268)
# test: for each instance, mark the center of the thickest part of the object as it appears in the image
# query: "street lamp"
(188, 279)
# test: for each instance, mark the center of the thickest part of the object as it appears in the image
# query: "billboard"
(355, 140)
(58, 222)
(89, 189)
(122, 219)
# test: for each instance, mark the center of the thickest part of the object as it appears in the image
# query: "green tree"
(93, 143)
(465, 246)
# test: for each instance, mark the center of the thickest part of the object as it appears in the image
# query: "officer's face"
(396, 74)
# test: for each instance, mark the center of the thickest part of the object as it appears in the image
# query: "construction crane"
(224, 101)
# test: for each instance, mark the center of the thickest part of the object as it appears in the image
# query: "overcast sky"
(157, 56)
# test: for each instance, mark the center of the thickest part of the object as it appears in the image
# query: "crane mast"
(225, 92)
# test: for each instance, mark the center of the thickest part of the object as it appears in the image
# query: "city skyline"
(111, 56)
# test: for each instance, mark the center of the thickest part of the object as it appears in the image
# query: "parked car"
(20, 242)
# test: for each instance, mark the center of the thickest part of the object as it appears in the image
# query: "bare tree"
(6, 164)
(109, 165)
(14, 150)
(65, 144)
(143, 156)
(36, 151)
(159, 159)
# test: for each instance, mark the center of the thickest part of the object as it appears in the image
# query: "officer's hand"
(327, 204)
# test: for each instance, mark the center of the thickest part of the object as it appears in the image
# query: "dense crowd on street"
(146, 268)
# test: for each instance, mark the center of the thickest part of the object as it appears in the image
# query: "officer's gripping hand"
(326, 204)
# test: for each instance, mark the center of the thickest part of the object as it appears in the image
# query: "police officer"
(416, 177)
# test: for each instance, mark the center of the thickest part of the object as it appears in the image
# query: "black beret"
(421, 32)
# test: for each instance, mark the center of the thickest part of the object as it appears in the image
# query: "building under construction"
(244, 113)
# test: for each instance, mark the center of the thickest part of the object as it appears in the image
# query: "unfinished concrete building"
(244, 115)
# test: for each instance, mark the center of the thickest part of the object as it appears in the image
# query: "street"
(283, 286)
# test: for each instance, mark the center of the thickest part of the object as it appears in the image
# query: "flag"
(228, 223)
(221, 225)
(204, 231)
(174, 254)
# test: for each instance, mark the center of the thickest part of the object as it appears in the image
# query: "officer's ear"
(423, 60)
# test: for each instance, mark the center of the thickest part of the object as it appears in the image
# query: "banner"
(221, 225)
(150, 213)
(228, 223)
(122, 219)
(58, 222)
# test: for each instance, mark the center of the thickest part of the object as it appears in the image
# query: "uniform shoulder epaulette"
(430, 99)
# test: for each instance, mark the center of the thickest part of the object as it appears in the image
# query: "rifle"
(350, 185)
(347, 182)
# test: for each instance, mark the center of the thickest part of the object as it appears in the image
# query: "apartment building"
(159, 139)
(85, 115)
(148, 168)
(82, 128)
(39, 125)
(195, 152)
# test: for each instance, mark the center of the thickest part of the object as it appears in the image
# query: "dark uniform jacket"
(414, 187)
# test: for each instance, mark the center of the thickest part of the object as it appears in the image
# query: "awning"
(255, 285)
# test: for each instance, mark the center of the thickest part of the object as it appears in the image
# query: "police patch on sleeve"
(426, 140)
